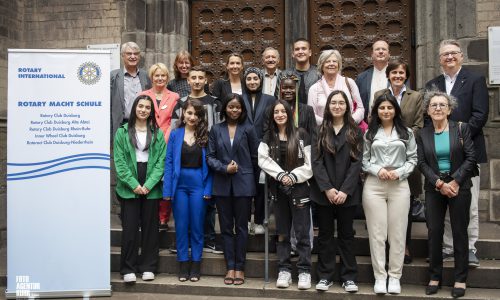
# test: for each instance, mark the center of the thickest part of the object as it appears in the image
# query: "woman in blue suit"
(188, 183)
(232, 155)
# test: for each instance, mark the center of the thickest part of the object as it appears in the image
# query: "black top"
(282, 160)
(191, 156)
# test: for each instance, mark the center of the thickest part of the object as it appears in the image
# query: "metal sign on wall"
(352, 26)
(219, 28)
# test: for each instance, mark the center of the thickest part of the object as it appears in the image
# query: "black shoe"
(212, 247)
(184, 271)
(163, 227)
(457, 292)
(194, 274)
(432, 289)
(173, 248)
(408, 259)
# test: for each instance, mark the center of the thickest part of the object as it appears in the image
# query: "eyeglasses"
(452, 53)
(434, 106)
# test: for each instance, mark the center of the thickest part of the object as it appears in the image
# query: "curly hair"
(201, 130)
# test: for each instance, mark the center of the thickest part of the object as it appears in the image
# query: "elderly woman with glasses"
(446, 157)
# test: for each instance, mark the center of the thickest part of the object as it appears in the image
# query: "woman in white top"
(330, 65)
(389, 157)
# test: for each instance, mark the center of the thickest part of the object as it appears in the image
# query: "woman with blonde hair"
(164, 102)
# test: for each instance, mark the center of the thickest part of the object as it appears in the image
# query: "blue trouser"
(189, 214)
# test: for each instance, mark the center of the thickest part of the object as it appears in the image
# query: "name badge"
(164, 107)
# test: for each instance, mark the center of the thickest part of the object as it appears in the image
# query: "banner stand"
(58, 174)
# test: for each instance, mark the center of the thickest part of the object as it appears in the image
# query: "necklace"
(439, 133)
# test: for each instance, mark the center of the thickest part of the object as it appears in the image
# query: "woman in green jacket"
(139, 155)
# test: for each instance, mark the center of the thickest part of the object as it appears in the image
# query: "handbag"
(417, 211)
(475, 169)
(362, 125)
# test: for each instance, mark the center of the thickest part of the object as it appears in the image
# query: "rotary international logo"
(89, 73)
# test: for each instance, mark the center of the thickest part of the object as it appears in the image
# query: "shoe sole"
(283, 286)
(351, 290)
(473, 265)
(303, 287)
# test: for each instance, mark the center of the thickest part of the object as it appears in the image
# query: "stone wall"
(439, 20)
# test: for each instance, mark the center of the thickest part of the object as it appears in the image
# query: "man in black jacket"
(473, 107)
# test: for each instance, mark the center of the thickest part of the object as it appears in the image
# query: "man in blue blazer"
(126, 83)
(374, 79)
(473, 107)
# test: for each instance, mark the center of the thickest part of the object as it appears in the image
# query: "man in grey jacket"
(126, 83)
(306, 72)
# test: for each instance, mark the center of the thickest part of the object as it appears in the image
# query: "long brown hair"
(201, 130)
(272, 137)
(326, 134)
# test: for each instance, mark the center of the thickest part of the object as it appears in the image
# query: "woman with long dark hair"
(285, 155)
(139, 155)
(389, 157)
(232, 155)
(188, 183)
(337, 158)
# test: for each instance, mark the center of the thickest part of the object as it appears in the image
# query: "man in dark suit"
(473, 106)
(126, 83)
(374, 79)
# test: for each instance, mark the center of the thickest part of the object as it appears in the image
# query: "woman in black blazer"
(231, 83)
(232, 155)
(446, 157)
(337, 157)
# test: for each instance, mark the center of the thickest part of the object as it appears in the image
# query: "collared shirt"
(379, 82)
(131, 87)
(401, 93)
(390, 152)
(269, 84)
(450, 81)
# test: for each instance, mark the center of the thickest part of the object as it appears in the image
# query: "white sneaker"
(284, 279)
(304, 281)
(130, 277)
(394, 286)
(350, 286)
(147, 276)
(380, 286)
(323, 285)
(259, 229)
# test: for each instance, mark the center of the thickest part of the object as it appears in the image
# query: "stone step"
(486, 276)
(213, 286)
(488, 245)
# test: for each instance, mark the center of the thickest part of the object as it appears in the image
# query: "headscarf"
(259, 74)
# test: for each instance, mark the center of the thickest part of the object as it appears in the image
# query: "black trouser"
(258, 201)
(209, 223)
(233, 214)
(328, 245)
(285, 213)
(139, 213)
(410, 222)
(436, 205)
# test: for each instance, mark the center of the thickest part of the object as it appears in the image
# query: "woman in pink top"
(164, 102)
(330, 66)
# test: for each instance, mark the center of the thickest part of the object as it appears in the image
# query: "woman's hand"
(167, 198)
(393, 175)
(331, 194)
(232, 167)
(383, 174)
(145, 190)
(448, 190)
(138, 190)
(286, 180)
(340, 198)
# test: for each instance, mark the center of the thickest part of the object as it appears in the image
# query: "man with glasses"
(472, 96)
(126, 83)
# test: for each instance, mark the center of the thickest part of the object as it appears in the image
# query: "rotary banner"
(58, 173)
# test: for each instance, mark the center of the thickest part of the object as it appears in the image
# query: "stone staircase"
(483, 282)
